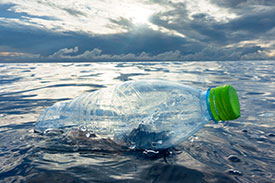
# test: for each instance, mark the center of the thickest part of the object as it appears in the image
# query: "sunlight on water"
(237, 151)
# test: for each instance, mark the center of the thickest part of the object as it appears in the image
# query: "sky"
(136, 30)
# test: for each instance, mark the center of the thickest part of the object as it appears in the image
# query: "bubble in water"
(133, 146)
(75, 147)
(88, 134)
(53, 132)
(149, 151)
(171, 133)
(83, 128)
(159, 142)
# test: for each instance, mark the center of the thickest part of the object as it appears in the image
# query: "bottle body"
(147, 114)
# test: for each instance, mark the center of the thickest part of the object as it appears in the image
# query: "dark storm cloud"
(200, 28)
(204, 28)
(32, 41)
(46, 43)
(248, 27)
(242, 4)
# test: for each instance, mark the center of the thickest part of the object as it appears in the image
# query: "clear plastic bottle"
(145, 114)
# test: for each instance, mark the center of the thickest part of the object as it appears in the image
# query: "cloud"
(237, 5)
(91, 17)
(17, 56)
(136, 30)
(207, 53)
(204, 27)
(97, 55)
(63, 53)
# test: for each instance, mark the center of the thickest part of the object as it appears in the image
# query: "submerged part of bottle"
(145, 114)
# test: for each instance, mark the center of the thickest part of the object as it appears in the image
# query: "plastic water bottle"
(144, 114)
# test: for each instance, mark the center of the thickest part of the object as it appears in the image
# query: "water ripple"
(237, 151)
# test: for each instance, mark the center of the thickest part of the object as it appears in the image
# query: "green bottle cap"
(224, 103)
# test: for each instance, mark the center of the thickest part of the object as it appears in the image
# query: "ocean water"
(235, 151)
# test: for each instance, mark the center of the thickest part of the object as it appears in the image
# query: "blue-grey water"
(235, 151)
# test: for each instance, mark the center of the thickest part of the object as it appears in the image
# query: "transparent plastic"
(144, 114)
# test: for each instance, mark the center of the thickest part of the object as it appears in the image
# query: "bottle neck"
(205, 105)
(207, 98)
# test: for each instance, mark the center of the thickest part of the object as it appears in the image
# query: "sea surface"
(237, 151)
